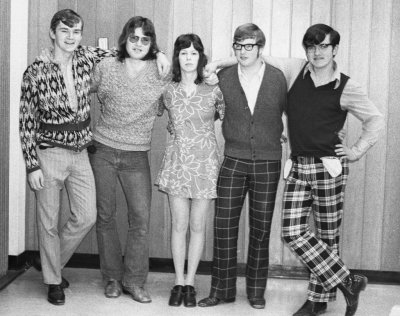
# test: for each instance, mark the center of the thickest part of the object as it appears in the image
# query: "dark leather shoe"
(64, 283)
(257, 302)
(311, 308)
(56, 294)
(213, 301)
(138, 293)
(176, 297)
(351, 288)
(113, 289)
(189, 296)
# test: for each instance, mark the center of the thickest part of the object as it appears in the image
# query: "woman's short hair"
(67, 16)
(249, 30)
(129, 29)
(316, 34)
(184, 41)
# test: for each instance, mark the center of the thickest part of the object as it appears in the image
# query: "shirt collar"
(335, 76)
(260, 72)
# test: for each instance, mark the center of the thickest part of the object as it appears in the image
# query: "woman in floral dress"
(189, 170)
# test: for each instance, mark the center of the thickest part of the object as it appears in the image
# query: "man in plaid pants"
(255, 95)
(318, 101)
(319, 98)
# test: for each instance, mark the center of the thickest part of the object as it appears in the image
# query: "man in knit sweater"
(319, 99)
(255, 96)
(55, 132)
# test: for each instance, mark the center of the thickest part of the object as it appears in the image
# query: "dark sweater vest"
(315, 116)
(257, 136)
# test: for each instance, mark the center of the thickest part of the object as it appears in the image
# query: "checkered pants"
(236, 178)
(310, 188)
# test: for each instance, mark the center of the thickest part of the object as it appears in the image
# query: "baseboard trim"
(91, 261)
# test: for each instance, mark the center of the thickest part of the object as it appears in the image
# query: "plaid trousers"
(236, 178)
(310, 188)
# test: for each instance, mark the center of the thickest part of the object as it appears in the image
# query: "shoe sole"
(112, 296)
(227, 301)
(56, 303)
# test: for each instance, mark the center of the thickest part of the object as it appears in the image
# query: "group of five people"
(250, 98)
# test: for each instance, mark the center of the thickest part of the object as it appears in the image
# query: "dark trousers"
(236, 178)
(132, 170)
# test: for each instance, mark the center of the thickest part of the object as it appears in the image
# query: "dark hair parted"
(129, 29)
(184, 41)
(67, 16)
(316, 34)
(249, 30)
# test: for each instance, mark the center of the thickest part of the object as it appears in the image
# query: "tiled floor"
(27, 296)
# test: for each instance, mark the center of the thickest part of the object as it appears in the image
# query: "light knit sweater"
(128, 105)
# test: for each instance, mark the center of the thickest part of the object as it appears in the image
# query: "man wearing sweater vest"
(255, 96)
(319, 98)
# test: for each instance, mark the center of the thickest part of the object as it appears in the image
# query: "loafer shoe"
(56, 294)
(311, 308)
(257, 302)
(138, 293)
(189, 296)
(213, 301)
(351, 288)
(176, 296)
(113, 289)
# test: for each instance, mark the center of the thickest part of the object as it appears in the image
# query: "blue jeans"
(132, 170)
(62, 166)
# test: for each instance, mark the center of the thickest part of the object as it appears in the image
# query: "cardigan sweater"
(128, 105)
(315, 116)
(257, 136)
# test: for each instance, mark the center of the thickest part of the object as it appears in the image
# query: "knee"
(141, 232)
(260, 236)
(197, 227)
(290, 237)
(179, 226)
(88, 219)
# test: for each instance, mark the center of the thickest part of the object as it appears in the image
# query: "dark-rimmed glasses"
(248, 47)
(134, 39)
(321, 47)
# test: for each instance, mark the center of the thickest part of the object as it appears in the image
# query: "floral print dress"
(191, 161)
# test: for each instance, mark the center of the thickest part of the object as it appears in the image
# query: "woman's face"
(138, 44)
(189, 59)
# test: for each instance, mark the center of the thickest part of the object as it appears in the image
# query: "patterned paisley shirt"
(45, 111)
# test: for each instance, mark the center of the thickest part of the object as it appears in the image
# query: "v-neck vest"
(315, 116)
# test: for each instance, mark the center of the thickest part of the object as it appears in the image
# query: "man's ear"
(260, 51)
(335, 50)
(52, 35)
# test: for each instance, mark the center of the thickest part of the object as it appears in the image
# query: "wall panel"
(375, 161)
(359, 71)
(391, 232)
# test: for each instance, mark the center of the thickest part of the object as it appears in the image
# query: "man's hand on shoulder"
(36, 180)
(163, 65)
(46, 55)
(210, 69)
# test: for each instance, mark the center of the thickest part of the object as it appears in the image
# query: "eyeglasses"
(248, 47)
(321, 47)
(134, 39)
